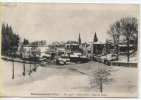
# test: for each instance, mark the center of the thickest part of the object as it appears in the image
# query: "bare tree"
(115, 31)
(128, 28)
(101, 76)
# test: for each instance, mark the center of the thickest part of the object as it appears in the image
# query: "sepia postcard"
(69, 50)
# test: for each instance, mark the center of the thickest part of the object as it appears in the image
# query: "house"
(73, 46)
(97, 47)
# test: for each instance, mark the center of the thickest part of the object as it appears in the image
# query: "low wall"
(17, 60)
(124, 64)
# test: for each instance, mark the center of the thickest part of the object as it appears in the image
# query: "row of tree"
(10, 40)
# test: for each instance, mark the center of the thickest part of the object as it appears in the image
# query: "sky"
(62, 22)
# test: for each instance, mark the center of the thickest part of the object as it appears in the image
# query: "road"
(74, 78)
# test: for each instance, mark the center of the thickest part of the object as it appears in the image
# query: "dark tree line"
(10, 40)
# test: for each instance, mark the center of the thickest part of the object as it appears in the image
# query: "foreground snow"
(75, 78)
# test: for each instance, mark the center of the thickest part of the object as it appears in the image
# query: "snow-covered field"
(133, 58)
(52, 80)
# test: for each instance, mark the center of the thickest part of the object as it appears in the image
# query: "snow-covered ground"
(74, 78)
(133, 58)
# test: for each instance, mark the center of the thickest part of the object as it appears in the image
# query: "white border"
(78, 1)
(84, 1)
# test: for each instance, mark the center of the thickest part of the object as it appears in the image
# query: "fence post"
(34, 69)
(24, 65)
(29, 63)
(13, 74)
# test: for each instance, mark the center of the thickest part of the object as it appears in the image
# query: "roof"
(99, 42)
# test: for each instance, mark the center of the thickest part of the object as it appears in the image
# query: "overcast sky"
(62, 22)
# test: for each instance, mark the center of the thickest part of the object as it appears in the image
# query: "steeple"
(95, 38)
(79, 39)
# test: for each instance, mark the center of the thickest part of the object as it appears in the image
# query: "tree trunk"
(13, 69)
(34, 64)
(128, 49)
(117, 51)
(92, 55)
(23, 68)
(30, 69)
(101, 85)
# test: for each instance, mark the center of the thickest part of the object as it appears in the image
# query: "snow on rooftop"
(99, 42)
